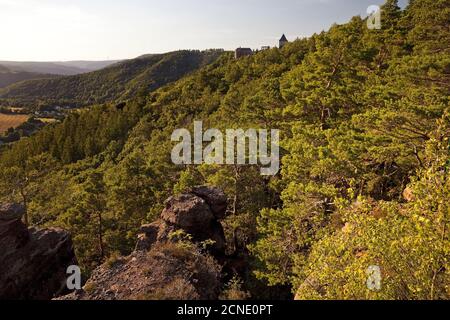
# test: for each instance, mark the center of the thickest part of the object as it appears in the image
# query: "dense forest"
(120, 81)
(365, 126)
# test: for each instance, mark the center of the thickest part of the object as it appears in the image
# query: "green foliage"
(363, 116)
(410, 242)
(233, 291)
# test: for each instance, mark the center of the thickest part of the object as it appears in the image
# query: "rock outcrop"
(33, 262)
(167, 272)
(161, 267)
(197, 213)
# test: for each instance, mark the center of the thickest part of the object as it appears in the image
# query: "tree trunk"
(235, 205)
(100, 236)
(25, 205)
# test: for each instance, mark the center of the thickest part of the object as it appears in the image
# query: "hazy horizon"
(98, 30)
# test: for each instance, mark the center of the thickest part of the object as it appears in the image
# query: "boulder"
(215, 198)
(11, 211)
(33, 262)
(197, 213)
(187, 212)
(148, 235)
(13, 233)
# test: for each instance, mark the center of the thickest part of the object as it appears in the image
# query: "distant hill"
(10, 76)
(65, 68)
(119, 81)
(88, 65)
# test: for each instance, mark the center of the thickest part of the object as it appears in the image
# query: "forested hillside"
(365, 123)
(9, 76)
(119, 81)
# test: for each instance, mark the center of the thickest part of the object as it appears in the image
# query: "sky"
(62, 30)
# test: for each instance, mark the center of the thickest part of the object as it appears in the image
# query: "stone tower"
(283, 41)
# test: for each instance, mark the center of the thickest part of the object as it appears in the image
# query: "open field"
(11, 121)
(47, 120)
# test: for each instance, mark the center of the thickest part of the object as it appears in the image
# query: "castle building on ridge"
(283, 41)
(242, 52)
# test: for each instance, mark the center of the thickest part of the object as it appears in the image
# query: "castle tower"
(283, 41)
